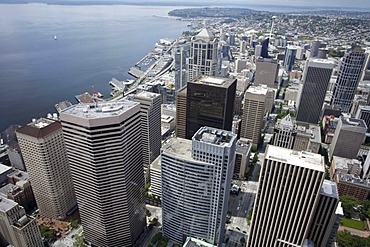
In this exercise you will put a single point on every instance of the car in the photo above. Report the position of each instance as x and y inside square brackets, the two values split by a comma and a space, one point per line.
[237, 228]
[245, 232]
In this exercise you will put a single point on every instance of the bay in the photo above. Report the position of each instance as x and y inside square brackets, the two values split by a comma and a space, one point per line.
[94, 44]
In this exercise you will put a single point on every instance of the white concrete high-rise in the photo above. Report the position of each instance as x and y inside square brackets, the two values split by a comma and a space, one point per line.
[196, 178]
[45, 157]
[150, 107]
[288, 192]
[203, 55]
[349, 75]
[17, 228]
[105, 154]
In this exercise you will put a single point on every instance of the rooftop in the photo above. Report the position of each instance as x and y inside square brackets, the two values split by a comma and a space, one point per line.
[214, 81]
[6, 204]
[352, 179]
[260, 89]
[4, 168]
[156, 164]
[353, 122]
[101, 110]
[298, 158]
[205, 34]
[243, 146]
[39, 128]
[146, 95]
[329, 188]
[193, 242]
[321, 63]
[178, 147]
[214, 136]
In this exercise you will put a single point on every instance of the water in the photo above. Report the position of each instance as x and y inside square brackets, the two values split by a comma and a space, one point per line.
[94, 44]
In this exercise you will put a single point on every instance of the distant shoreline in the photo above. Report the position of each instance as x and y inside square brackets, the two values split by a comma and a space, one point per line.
[268, 8]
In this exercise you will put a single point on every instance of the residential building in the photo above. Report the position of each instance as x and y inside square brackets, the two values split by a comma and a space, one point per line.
[253, 113]
[17, 228]
[196, 178]
[349, 74]
[282, 213]
[316, 77]
[45, 156]
[349, 130]
[104, 147]
[203, 55]
[266, 72]
[209, 102]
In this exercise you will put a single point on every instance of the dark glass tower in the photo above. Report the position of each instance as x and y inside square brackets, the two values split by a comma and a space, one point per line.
[209, 102]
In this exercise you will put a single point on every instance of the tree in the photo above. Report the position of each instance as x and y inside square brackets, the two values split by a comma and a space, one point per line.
[249, 216]
[348, 203]
[242, 240]
[346, 239]
[255, 157]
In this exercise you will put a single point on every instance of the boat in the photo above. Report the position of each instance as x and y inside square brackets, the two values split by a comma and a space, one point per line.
[55, 37]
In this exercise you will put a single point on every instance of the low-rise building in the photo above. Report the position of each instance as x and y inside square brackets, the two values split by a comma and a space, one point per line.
[349, 184]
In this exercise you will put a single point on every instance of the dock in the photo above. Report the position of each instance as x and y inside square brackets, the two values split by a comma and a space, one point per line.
[135, 72]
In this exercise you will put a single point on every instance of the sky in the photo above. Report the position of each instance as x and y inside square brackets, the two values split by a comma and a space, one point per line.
[319, 3]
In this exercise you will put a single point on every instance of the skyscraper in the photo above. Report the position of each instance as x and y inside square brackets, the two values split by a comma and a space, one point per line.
[105, 155]
[289, 59]
[17, 228]
[316, 77]
[254, 110]
[150, 107]
[181, 53]
[196, 178]
[348, 78]
[181, 112]
[266, 72]
[327, 217]
[315, 46]
[349, 130]
[284, 133]
[209, 102]
[45, 156]
[265, 48]
[203, 55]
[288, 191]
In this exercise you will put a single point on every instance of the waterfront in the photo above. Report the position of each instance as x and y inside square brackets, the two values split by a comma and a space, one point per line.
[94, 44]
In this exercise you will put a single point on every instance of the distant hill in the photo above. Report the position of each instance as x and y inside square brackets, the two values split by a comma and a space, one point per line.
[215, 12]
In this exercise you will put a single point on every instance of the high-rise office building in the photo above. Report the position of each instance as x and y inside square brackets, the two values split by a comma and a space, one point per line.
[253, 113]
[349, 75]
[209, 102]
[284, 133]
[258, 50]
[366, 73]
[180, 54]
[288, 191]
[265, 48]
[349, 130]
[315, 46]
[203, 55]
[363, 113]
[17, 228]
[181, 112]
[266, 72]
[327, 217]
[289, 59]
[316, 77]
[196, 178]
[150, 108]
[45, 156]
[104, 148]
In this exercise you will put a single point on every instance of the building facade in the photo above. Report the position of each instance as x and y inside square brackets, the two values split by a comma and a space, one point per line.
[253, 113]
[45, 156]
[349, 74]
[196, 178]
[150, 108]
[17, 228]
[266, 72]
[289, 59]
[209, 102]
[316, 77]
[288, 192]
[349, 130]
[203, 55]
[180, 54]
[105, 155]
[181, 112]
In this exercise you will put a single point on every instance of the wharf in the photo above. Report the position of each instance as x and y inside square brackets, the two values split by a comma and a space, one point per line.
[136, 72]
